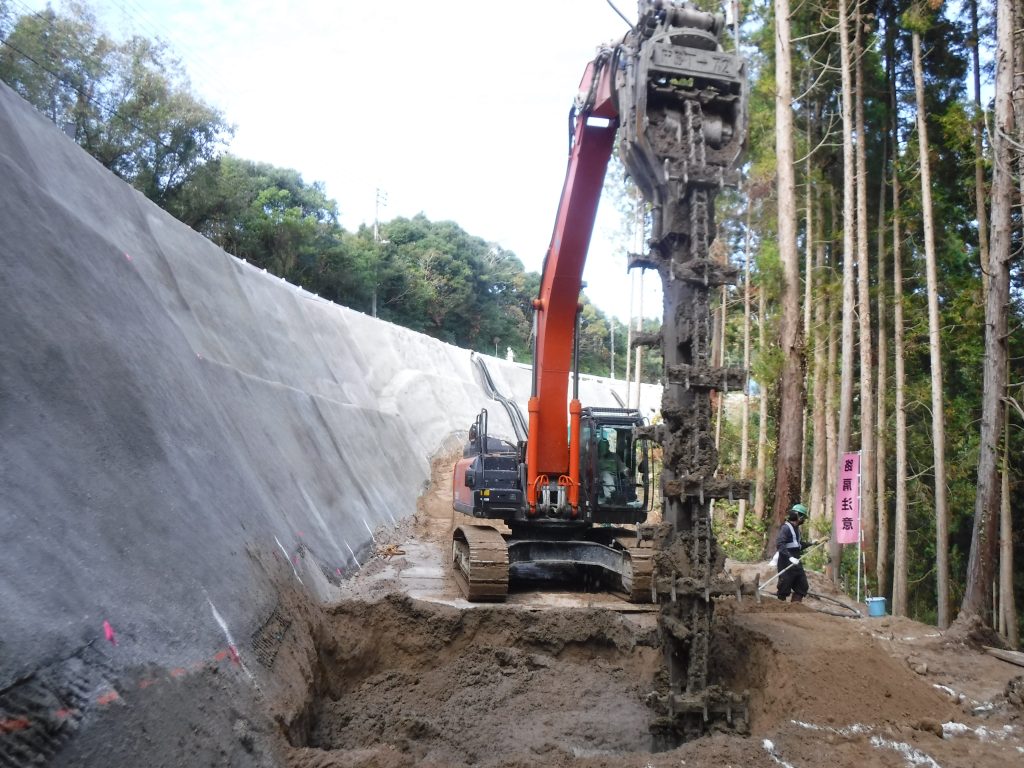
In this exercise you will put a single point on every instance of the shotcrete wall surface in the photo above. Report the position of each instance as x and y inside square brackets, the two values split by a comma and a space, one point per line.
[176, 424]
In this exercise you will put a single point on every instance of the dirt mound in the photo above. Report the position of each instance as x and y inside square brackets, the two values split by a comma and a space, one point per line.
[397, 682]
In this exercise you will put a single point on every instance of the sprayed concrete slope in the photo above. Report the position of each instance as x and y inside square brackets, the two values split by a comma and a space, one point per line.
[175, 425]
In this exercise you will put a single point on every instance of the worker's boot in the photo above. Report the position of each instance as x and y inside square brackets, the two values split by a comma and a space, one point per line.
[797, 598]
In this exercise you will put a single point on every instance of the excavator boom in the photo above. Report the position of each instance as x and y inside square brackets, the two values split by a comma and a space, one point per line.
[557, 305]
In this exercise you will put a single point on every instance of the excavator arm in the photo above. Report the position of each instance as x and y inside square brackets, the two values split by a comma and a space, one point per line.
[548, 454]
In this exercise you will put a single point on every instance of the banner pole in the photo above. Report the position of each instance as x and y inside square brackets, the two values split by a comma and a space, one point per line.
[860, 529]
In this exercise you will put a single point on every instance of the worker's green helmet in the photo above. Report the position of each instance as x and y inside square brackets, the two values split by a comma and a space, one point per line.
[800, 509]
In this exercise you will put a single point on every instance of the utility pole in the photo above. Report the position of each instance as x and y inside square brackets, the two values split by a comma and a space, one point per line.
[629, 335]
[613, 347]
[639, 350]
[381, 199]
[638, 244]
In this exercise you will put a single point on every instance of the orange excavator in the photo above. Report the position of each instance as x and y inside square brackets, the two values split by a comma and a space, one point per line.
[563, 494]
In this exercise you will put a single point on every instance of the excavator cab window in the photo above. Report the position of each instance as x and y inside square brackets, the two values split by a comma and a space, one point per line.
[614, 469]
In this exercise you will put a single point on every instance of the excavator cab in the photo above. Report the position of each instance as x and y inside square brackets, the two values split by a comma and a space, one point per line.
[614, 467]
[487, 479]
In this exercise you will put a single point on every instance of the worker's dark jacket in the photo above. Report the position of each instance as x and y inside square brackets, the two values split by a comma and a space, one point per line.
[794, 579]
[788, 543]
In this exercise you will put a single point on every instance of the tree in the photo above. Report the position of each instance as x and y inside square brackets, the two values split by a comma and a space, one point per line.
[899, 569]
[158, 132]
[128, 104]
[979, 156]
[867, 403]
[745, 417]
[977, 599]
[264, 214]
[789, 453]
[819, 504]
[934, 336]
[57, 63]
[849, 224]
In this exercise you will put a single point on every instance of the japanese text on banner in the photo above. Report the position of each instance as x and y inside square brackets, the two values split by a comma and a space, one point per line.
[847, 516]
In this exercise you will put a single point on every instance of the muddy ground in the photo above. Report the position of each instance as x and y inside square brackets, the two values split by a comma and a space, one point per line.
[403, 672]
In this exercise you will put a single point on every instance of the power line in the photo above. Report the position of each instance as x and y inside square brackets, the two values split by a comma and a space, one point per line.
[51, 22]
[200, 62]
[142, 25]
[93, 100]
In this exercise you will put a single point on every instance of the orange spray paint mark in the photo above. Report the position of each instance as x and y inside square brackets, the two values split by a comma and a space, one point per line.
[108, 697]
[14, 724]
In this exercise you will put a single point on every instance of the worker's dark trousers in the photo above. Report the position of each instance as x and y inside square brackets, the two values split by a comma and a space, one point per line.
[793, 580]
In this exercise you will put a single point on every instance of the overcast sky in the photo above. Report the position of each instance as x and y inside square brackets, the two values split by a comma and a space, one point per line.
[454, 108]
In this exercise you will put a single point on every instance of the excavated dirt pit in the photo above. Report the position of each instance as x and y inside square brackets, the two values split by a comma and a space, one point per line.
[414, 683]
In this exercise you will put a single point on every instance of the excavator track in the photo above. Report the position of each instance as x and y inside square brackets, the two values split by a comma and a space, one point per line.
[638, 574]
[480, 563]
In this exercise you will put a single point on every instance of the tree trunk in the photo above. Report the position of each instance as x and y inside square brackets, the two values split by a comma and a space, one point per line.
[984, 540]
[719, 397]
[935, 350]
[818, 503]
[882, 423]
[882, 565]
[899, 566]
[849, 223]
[745, 421]
[1006, 585]
[807, 462]
[1008, 605]
[721, 361]
[762, 415]
[789, 452]
[867, 402]
[831, 444]
[979, 157]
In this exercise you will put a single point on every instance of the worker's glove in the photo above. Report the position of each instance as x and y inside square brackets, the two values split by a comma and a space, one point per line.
[794, 561]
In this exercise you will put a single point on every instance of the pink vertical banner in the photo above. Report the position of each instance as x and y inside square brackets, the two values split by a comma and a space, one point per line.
[846, 523]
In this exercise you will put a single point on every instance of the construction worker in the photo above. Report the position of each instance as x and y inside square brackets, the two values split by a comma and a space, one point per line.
[610, 468]
[791, 571]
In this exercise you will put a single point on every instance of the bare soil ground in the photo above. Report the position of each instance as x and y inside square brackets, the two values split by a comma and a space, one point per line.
[561, 679]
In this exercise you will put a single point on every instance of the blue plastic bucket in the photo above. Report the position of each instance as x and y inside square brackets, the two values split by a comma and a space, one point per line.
[876, 606]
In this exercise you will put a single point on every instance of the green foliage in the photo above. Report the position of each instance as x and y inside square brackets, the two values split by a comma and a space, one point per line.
[917, 18]
[746, 545]
[128, 104]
